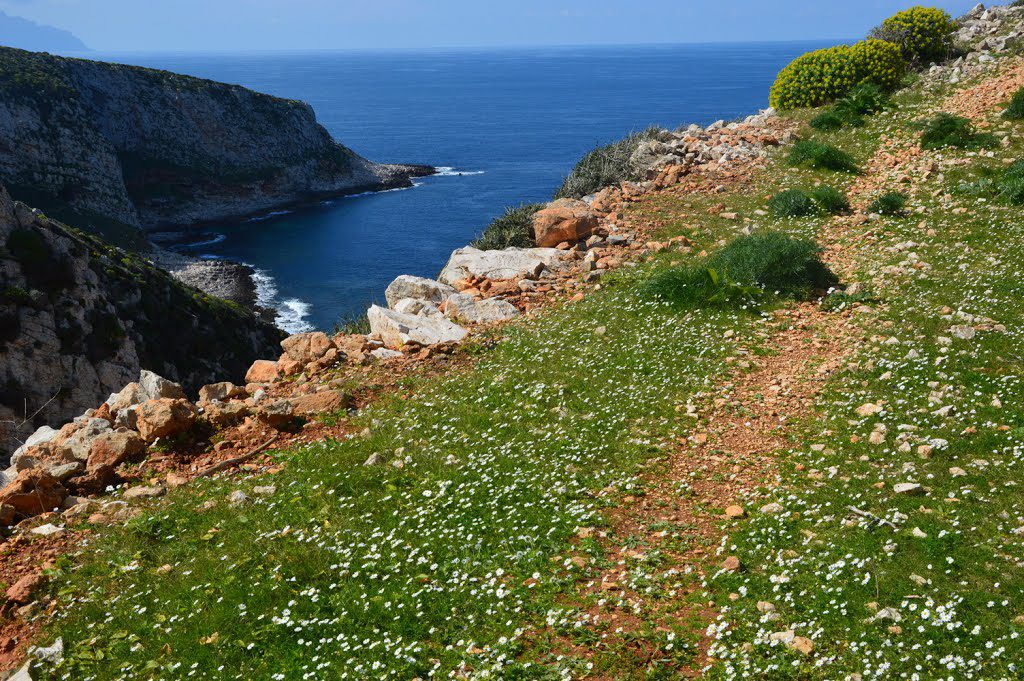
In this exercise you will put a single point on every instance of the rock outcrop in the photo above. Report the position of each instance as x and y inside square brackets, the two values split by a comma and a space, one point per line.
[80, 318]
[113, 148]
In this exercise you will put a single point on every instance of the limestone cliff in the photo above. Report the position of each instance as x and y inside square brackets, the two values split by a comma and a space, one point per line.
[80, 318]
[114, 148]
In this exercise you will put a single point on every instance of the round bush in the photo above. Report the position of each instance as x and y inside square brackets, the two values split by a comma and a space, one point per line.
[792, 203]
[823, 76]
[922, 33]
[878, 62]
[830, 200]
[814, 79]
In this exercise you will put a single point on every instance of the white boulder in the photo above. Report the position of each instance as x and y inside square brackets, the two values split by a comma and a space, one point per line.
[417, 288]
[508, 263]
[396, 329]
[480, 311]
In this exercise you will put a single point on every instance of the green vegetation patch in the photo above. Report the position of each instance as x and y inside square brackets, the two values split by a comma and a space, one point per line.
[1015, 110]
[891, 204]
[814, 154]
[746, 271]
[514, 228]
[923, 34]
[606, 165]
[944, 130]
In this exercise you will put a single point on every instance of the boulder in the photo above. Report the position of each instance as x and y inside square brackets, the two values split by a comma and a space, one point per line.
[262, 371]
[275, 413]
[566, 220]
[80, 443]
[34, 491]
[164, 418]
[396, 329]
[508, 263]
[480, 311]
[417, 307]
[224, 414]
[220, 392]
[156, 387]
[129, 396]
[417, 288]
[42, 435]
[114, 448]
[67, 470]
[306, 347]
[321, 402]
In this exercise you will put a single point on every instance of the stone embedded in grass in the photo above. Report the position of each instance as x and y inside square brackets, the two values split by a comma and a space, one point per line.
[910, 489]
[145, 492]
[772, 508]
[732, 564]
[735, 512]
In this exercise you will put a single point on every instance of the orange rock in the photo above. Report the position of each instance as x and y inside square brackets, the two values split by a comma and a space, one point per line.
[289, 366]
[262, 371]
[321, 402]
[34, 491]
[566, 220]
[111, 449]
[164, 417]
[23, 590]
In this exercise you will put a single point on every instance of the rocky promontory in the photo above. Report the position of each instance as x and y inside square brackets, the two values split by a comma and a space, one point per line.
[115, 149]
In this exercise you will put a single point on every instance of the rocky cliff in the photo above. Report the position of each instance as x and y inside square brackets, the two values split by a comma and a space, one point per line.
[113, 148]
[80, 318]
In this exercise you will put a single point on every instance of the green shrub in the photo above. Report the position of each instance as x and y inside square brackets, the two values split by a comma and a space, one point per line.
[866, 99]
[606, 165]
[514, 228]
[1005, 184]
[924, 34]
[840, 300]
[946, 130]
[890, 203]
[775, 262]
[355, 324]
[814, 79]
[830, 200]
[744, 272]
[878, 63]
[824, 76]
[814, 154]
[1015, 111]
[830, 120]
[792, 203]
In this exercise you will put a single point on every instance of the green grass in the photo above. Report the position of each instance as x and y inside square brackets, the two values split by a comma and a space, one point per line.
[744, 272]
[610, 164]
[792, 203]
[514, 228]
[945, 130]
[402, 572]
[1003, 183]
[850, 111]
[830, 200]
[891, 204]
[814, 154]
[1015, 110]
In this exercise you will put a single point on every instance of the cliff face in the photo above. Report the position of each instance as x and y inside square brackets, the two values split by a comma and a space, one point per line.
[118, 147]
[80, 318]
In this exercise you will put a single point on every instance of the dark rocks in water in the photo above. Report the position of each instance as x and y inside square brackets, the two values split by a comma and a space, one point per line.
[114, 148]
[80, 318]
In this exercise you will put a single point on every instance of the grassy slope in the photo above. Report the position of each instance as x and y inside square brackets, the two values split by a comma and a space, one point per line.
[435, 567]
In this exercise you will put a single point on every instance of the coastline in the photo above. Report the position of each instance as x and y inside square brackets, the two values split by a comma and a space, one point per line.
[239, 282]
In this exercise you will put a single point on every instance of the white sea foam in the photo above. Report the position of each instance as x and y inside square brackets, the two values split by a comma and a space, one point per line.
[267, 216]
[448, 171]
[291, 312]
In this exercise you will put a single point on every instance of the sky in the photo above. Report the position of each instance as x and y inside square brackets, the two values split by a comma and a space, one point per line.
[262, 25]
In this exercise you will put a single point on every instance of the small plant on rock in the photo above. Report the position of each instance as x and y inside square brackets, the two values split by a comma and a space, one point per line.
[812, 154]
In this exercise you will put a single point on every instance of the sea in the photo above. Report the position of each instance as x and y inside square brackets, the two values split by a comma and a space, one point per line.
[503, 125]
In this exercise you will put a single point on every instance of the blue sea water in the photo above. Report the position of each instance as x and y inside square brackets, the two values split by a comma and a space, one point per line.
[509, 123]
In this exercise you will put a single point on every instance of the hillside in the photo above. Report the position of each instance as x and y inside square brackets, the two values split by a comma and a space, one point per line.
[744, 402]
[116, 148]
[80, 318]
